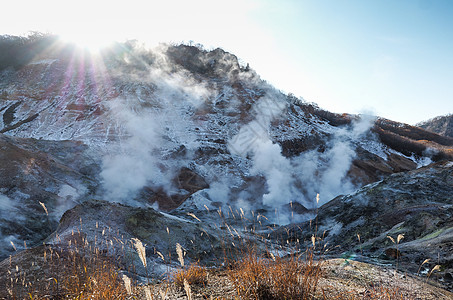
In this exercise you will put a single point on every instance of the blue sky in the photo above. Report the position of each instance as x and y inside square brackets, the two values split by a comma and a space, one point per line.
[391, 58]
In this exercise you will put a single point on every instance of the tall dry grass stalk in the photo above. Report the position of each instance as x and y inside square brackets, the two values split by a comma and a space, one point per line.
[127, 284]
[180, 254]
[148, 293]
[194, 216]
[44, 207]
[163, 294]
[424, 262]
[187, 289]
[396, 243]
[435, 268]
[140, 250]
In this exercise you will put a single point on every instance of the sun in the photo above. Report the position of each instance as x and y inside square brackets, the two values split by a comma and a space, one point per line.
[93, 42]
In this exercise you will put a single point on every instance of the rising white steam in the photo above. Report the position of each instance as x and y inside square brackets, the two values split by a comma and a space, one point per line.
[253, 139]
[269, 161]
[150, 126]
[326, 172]
[299, 178]
[9, 211]
[134, 165]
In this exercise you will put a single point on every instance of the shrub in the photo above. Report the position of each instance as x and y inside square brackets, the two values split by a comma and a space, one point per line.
[256, 277]
[194, 275]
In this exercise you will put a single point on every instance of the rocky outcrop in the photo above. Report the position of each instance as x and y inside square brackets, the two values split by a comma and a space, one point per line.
[442, 125]
[160, 232]
[185, 183]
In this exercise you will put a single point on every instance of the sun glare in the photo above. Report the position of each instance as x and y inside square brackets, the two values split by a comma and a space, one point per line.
[90, 42]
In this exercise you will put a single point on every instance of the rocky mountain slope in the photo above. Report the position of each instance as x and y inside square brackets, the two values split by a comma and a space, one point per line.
[190, 132]
[416, 204]
[442, 125]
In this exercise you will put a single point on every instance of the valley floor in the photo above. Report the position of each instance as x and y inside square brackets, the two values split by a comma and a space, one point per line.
[340, 279]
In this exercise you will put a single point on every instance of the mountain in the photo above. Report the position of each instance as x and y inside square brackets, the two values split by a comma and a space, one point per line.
[135, 138]
[442, 125]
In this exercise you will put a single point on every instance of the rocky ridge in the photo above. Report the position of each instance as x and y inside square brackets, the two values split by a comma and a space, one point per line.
[442, 125]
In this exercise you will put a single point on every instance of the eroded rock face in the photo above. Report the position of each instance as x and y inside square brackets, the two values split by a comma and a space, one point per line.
[369, 167]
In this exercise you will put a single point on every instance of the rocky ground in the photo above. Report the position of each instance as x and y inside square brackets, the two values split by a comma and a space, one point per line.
[340, 279]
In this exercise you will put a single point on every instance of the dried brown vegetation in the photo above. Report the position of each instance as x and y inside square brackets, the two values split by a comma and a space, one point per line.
[256, 277]
[73, 274]
[193, 275]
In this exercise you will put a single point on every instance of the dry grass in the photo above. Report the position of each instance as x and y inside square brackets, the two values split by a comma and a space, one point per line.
[76, 272]
[92, 279]
[75, 275]
[193, 275]
[256, 277]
